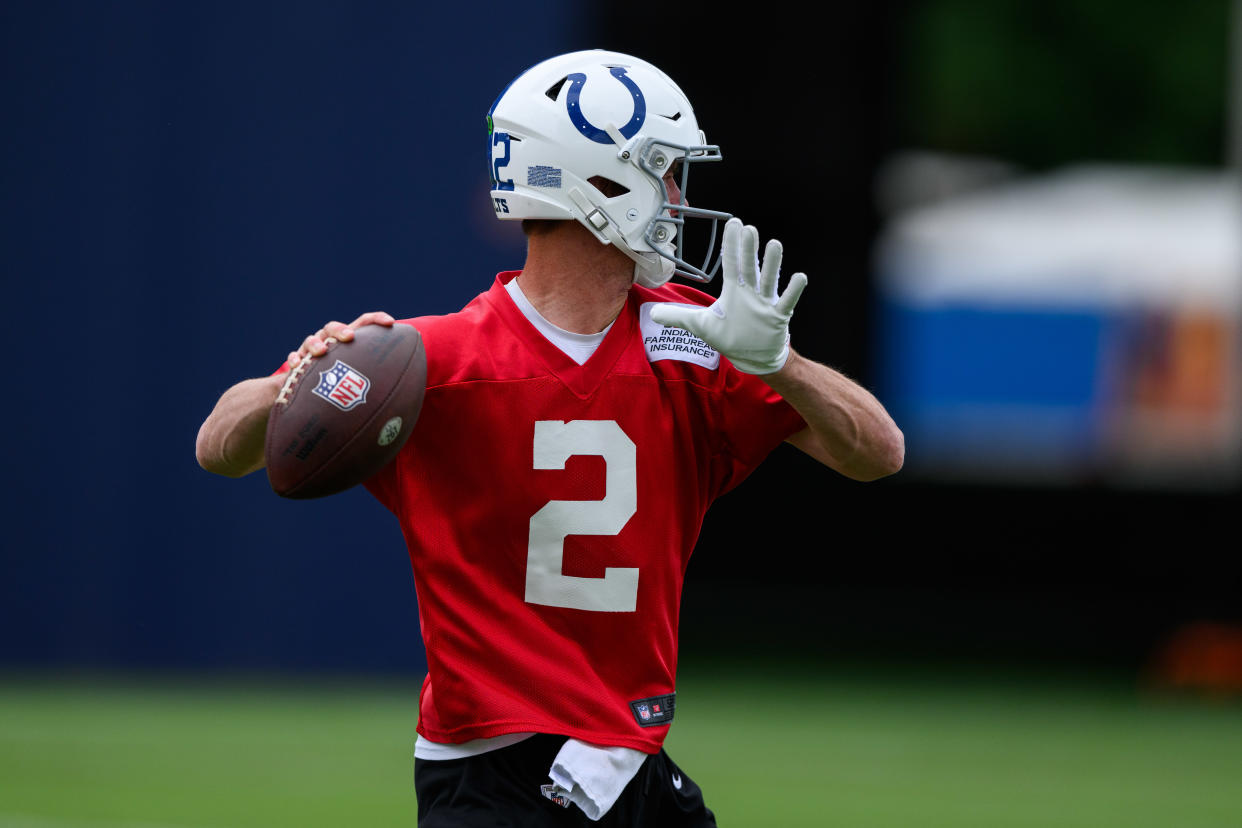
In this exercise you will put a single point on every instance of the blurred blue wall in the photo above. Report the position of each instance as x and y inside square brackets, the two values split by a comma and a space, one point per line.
[189, 189]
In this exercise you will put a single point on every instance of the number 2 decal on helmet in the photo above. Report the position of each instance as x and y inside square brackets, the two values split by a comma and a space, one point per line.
[578, 80]
[498, 183]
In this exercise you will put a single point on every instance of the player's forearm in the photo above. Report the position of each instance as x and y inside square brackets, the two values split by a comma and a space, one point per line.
[848, 429]
[230, 440]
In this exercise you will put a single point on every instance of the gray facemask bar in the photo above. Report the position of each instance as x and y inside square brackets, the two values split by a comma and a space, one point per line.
[657, 234]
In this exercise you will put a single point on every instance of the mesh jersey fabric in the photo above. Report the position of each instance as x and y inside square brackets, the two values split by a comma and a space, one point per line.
[660, 440]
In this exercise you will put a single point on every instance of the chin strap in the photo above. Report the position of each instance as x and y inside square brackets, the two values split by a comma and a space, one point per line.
[650, 269]
[594, 217]
[644, 276]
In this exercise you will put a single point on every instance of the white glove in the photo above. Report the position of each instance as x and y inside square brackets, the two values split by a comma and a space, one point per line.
[749, 323]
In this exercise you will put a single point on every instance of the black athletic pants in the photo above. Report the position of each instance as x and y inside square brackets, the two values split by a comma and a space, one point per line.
[502, 789]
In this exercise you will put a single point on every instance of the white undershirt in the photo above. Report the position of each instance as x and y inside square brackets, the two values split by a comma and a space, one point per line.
[427, 749]
[590, 776]
[576, 346]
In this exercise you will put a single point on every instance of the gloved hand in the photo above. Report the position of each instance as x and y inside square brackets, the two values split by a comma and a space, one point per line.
[749, 323]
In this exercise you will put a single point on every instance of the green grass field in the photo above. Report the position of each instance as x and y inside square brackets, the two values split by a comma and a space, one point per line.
[865, 750]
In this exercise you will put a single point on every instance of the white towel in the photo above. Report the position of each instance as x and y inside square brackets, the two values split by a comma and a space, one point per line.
[592, 777]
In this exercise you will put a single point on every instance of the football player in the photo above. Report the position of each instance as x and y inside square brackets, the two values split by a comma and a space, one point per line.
[580, 417]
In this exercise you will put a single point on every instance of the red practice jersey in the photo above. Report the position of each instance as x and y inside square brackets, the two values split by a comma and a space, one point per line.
[550, 510]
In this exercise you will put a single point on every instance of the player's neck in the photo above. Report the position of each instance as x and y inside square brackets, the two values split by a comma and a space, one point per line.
[576, 283]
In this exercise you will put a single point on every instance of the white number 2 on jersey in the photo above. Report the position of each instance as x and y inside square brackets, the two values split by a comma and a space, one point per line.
[556, 442]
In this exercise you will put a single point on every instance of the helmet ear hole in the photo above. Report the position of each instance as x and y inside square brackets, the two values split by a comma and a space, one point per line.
[610, 188]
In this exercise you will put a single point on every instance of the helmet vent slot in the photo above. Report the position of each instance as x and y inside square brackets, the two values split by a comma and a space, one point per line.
[676, 116]
[554, 91]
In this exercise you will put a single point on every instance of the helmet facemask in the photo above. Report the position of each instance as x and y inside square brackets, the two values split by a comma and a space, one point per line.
[666, 233]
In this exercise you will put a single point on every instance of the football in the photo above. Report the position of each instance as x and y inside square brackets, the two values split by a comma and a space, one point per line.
[340, 417]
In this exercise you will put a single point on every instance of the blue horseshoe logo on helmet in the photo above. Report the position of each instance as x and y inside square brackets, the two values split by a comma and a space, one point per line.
[577, 80]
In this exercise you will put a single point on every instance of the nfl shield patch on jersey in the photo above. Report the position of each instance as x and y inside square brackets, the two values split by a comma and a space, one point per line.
[656, 710]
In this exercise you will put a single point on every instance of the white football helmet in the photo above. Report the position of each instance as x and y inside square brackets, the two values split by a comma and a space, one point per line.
[597, 113]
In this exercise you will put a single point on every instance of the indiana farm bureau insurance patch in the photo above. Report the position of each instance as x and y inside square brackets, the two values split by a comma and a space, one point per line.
[663, 342]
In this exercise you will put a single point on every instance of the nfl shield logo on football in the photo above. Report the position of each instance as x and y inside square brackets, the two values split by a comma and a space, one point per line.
[343, 386]
[644, 712]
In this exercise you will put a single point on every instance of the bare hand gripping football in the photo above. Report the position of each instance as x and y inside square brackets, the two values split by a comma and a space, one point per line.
[749, 323]
[345, 413]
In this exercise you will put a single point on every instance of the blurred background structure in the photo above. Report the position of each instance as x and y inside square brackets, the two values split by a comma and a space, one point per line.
[1022, 224]
[1023, 231]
